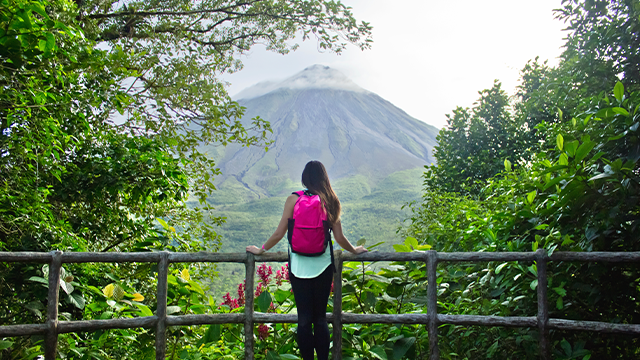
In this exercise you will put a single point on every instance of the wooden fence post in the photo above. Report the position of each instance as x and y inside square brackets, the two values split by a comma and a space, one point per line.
[432, 304]
[161, 308]
[53, 298]
[543, 306]
[337, 306]
[250, 266]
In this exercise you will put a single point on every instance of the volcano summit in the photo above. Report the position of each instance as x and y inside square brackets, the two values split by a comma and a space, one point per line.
[320, 114]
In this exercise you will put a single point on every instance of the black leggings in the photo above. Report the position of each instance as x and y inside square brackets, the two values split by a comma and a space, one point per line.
[311, 297]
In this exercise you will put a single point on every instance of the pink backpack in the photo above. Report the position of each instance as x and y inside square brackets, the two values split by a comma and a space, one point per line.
[308, 231]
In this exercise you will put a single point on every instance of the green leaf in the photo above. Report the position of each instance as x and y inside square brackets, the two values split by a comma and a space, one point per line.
[554, 181]
[507, 165]
[39, 279]
[563, 160]
[173, 309]
[571, 147]
[411, 242]
[361, 242]
[621, 111]
[534, 284]
[618, 91]
[394, 290]
[531, 196]
[163, 223]
[289, 357]
[402, 346]
[272, 355]
[499, 268]
[212, 334]
[600, 176]
[106, 315]
[281, 295]
[560, 116]
[565, 344]
[67, 287]
[51, 42]
[370, 299]
[264, 301]
[5, 344]
[77, 300]
[144, 310]
[584, 150]
[378, 352]
[401, 248]
[375, 245]
[559, 142]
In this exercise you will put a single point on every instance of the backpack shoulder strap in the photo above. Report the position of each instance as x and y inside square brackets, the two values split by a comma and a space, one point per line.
[299, 193]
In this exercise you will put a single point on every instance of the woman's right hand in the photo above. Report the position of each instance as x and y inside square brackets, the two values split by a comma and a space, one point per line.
[359, 250]
[254, 250]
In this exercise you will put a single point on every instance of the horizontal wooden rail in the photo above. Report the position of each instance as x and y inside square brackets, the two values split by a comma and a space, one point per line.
[432, 319]
[154, 257]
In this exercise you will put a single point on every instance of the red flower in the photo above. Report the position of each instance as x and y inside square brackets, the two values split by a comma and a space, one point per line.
[264, 272]
[259, 290]
[263, 331]
[282, 274]
[241, 293]
[231, 303]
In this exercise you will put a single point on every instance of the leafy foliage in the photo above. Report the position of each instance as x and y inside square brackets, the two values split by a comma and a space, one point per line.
[102, 109]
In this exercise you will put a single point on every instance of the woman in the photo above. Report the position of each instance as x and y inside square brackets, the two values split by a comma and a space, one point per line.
[311, 276]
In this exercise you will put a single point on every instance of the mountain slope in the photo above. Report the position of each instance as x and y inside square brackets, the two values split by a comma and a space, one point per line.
[318, 114]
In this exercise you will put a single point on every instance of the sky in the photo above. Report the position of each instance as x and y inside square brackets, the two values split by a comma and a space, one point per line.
[428, 56]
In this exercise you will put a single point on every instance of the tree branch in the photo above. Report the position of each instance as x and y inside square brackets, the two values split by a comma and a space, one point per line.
[225, 10]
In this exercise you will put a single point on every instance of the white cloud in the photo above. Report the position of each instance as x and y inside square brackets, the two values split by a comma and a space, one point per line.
[428, 56]
[315, 76]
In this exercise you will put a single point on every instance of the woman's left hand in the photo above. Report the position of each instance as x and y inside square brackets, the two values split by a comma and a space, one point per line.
[254, 250]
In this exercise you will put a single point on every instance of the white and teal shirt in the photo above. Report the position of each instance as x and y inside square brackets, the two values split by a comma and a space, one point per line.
[308, 267]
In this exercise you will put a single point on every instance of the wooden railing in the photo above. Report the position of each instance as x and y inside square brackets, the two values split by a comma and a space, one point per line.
[432, 319]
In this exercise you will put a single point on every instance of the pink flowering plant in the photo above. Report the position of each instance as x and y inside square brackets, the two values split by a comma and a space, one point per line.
[272, 294]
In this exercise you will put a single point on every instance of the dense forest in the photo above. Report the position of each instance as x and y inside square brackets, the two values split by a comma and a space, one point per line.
[103, 105]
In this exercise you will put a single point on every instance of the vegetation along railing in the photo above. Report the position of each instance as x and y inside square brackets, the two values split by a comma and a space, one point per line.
[432, 319]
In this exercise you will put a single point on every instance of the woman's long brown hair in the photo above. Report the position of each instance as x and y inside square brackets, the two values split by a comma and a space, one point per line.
[315, 178]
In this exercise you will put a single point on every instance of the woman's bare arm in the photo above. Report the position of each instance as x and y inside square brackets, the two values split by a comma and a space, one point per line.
[344, 242]
[281, 230]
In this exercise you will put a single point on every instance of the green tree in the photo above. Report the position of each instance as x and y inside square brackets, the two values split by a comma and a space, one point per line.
[475, 144]
[102, 108]
[603, 42]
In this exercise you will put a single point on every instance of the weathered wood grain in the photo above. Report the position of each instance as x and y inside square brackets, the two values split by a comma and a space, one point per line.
[25, 256]
[93, 325]
[205, 256]
[23, 330]
[602, 256]
[480, 320]
[543, 306]
[250, 267]
[349, 318]
[161, 308]
[111, 257]
[53, 298]
[336, 352]
[432, 304]
[486, 256]
[204, 319]
[594, 326]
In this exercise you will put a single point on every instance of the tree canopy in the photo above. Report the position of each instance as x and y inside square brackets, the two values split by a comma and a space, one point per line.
[567, 177]
[103, 107]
